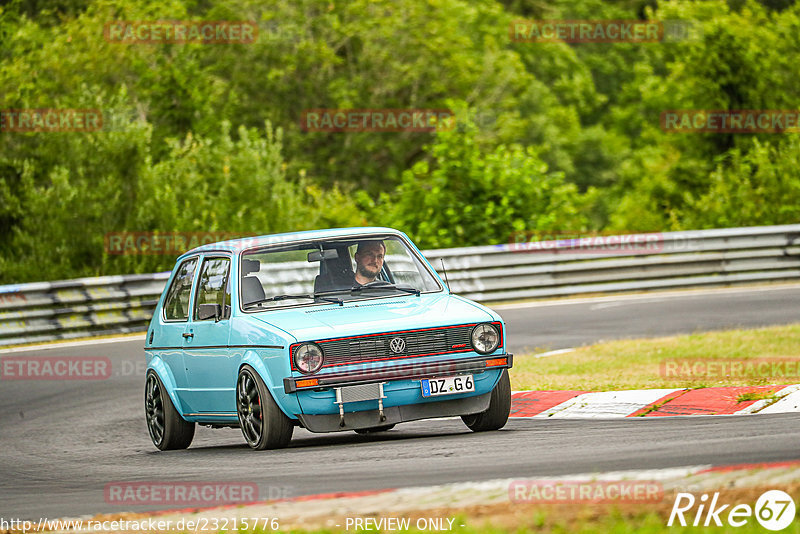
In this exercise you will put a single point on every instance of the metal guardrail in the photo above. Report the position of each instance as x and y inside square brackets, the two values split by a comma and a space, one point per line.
[45, 311]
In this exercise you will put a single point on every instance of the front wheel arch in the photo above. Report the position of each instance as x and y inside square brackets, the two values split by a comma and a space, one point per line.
[288, 404]
[263, 423]
[496, 416]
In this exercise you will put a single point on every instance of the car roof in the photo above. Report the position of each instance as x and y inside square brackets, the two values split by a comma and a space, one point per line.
[236, 245]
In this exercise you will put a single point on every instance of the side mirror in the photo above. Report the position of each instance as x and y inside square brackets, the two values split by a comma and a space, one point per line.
[319, 255]
[209, 311]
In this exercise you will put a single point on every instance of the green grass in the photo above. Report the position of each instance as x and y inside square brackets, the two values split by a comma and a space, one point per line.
[584, 521]
[755, 396]
[637, 364]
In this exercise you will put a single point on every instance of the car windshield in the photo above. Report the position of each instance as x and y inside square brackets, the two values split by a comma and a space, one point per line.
[332, 271]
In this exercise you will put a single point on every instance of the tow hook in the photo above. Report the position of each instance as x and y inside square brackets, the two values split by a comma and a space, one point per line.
[357, 394]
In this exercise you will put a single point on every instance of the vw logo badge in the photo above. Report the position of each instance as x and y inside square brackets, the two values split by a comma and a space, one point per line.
[397, 345]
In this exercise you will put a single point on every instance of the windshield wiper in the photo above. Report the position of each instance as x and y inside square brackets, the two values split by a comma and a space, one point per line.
[380, 284]
[335, 300]
[315, 296]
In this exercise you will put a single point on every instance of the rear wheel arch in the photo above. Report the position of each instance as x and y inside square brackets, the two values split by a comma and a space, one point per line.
[164, 374]
[167, 428]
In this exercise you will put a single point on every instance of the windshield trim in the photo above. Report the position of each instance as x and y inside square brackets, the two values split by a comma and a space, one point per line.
[412, 249]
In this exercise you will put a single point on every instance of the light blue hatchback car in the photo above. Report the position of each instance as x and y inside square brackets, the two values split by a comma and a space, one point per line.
[330, 330]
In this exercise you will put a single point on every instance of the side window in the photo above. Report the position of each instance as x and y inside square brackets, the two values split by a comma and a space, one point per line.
[214, 286]
[176, 305]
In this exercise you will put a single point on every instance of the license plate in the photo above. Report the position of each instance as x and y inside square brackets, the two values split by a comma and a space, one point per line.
[432, 387]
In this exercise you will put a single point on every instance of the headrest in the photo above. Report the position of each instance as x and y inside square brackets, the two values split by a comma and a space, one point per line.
[250, 266]
[252, 290]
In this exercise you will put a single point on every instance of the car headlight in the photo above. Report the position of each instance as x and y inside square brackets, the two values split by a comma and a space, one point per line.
[308, 358]
[485, 338]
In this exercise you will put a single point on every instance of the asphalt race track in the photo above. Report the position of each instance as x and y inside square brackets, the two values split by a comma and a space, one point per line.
[63, 441]
[571, 323]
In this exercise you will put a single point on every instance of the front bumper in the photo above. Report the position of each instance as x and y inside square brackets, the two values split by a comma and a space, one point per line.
[396, 414]
[399, 372]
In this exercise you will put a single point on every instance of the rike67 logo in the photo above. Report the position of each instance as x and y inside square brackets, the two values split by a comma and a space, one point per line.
[774, 510]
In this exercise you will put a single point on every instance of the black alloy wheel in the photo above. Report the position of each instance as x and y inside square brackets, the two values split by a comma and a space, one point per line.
[263, 424]
[167, 428]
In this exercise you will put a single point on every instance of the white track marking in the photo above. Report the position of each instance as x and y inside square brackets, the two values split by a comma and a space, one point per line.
[84, 343]
[553, 353]
[756, 407]
[789, 402]
[654, 296]
[606, 404]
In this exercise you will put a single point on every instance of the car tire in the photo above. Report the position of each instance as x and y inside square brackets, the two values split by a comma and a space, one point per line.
[168, 430]
[496, 416]
[374, 429]
[263, 424]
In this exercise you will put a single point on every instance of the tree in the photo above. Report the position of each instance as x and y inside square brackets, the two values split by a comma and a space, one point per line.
[460, 195]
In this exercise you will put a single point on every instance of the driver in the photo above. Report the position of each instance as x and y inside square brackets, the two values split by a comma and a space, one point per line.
[369, 261]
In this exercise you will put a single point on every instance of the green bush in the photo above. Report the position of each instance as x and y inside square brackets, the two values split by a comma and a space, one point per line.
[463, 196]
[567, 136]
[753, 187]
[206, 184]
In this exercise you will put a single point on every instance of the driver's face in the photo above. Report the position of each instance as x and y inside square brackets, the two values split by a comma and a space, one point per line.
[369, 260]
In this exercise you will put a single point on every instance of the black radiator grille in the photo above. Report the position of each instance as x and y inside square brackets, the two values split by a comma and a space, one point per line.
[376, 347]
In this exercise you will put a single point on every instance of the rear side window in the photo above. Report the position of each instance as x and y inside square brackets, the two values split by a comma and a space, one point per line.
[176, 305]
[214, 286]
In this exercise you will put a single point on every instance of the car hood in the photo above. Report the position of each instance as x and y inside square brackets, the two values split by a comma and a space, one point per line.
[310, 323]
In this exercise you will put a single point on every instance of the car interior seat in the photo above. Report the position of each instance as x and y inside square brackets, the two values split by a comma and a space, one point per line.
[335, 273]
[252, 290]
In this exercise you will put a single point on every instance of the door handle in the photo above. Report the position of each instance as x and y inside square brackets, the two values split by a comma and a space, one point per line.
[187, 335]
